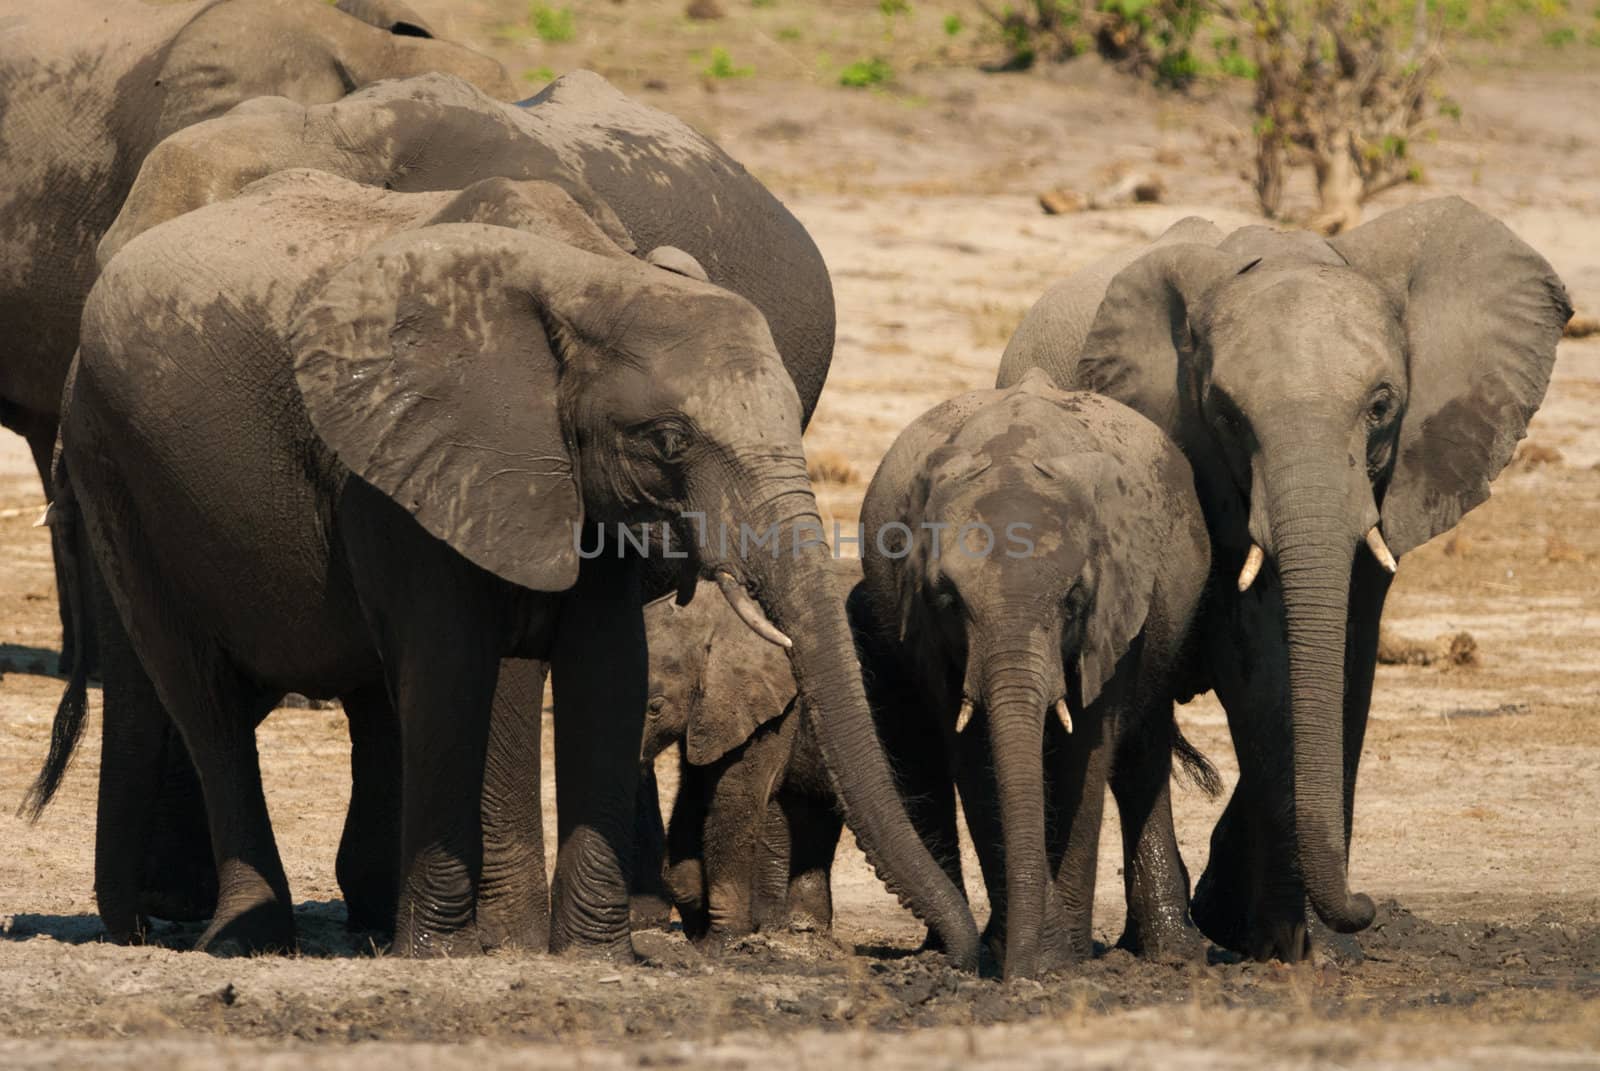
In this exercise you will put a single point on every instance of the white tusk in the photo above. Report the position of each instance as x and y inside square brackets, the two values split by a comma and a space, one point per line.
[1252, 566]
[1380, 549]
[1064, 714]
[751, 614]
[48, 517]
[964, 716]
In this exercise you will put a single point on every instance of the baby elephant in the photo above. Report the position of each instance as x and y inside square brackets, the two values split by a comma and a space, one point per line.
[751, 841]
[1032, 561]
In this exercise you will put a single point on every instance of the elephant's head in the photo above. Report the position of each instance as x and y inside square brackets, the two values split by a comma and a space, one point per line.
[1040, 525]
[713, 682]
[1335, 398]
[511, 388]
[306, 50]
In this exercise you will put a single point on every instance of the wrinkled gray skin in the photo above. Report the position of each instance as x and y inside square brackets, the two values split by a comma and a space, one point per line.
[1319, 388]
[754, 827]
[665, 182]
[87, 89]
[1091, 603]
[410, 408]
[438, 132]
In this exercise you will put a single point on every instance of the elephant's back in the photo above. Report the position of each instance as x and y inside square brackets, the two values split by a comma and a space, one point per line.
[67, 124]
[671, 186]
[1052, 335]
[186, 401]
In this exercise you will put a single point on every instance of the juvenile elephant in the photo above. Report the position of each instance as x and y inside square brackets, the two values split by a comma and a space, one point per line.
[1032, 561]
[409, 423]
[88, 89]
[1333, 397]
[671, 187]
[756, 820]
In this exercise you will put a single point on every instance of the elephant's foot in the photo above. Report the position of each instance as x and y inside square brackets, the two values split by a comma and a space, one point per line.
[648, 911]
[1246, 921]
[1168, 941]
[514, 919]
[267, 926]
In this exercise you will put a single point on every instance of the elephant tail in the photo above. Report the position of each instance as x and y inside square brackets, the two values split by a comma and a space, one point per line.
[1201, 773]
[63, 518]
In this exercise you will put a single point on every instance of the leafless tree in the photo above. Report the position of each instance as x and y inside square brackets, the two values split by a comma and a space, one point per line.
[1337, 89]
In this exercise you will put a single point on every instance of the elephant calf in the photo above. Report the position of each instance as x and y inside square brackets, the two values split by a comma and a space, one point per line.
[751, 842]
[1032, 560]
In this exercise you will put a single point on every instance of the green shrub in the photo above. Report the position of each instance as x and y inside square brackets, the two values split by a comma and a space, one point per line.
[863, 74]
[953, 25]
[552, 25]
[539, 75]
[722, 66]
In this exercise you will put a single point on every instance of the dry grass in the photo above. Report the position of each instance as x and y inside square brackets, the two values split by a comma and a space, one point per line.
[830, 466]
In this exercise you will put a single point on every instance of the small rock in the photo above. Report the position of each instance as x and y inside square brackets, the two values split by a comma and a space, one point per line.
[1062, 202]
[704, 10]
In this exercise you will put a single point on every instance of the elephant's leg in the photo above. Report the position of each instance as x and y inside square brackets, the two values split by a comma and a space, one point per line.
[1250, 897]
[1155, 881]
[216, 712]
[684, 873]
[735, 821]
[368, 864]
[923, 766]
[1078, 765]
[139, 749]
[649, 904]
[601, 677]
[180, 877]
[769, 874]
[814, 827]
[514, 896]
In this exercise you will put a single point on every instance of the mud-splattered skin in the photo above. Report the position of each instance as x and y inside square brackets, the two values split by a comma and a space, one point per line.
[385, 429]
[751, 842]
[667, 184]
[1083, 596]
[1331, 396]
[88, 87]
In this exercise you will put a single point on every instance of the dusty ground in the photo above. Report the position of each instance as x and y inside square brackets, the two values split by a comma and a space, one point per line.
[1475, 821]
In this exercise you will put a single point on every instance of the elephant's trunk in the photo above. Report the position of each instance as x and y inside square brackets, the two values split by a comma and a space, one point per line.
[1315, 533]
[796, 588]
[1016, 695]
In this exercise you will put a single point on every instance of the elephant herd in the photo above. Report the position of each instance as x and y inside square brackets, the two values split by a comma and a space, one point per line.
[349, 378]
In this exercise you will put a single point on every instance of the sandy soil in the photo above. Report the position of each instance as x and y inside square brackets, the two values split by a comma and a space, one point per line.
[1475, 818]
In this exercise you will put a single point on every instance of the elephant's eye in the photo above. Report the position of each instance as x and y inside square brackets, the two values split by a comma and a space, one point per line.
[657, 703]
[669, 440]
[1380, 409]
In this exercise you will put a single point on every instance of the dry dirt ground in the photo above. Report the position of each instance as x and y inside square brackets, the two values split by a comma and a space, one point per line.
[1476, 814]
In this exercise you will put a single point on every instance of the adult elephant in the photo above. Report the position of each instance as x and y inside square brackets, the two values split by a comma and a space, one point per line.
[89, 87]
[415, 403]
[1341, 402]
[672, 188]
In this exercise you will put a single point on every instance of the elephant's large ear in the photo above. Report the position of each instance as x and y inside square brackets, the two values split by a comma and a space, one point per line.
[1483, 313]
[1140, 336]
[425, 365]
[392, 15]
[746, 684]
[1120, 570]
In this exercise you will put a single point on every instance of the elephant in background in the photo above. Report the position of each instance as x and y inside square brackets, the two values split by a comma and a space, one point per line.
[1341, 402]
[666, 183]
[411, 421]
[89, 87]
[1032, 564]
[756, 820]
